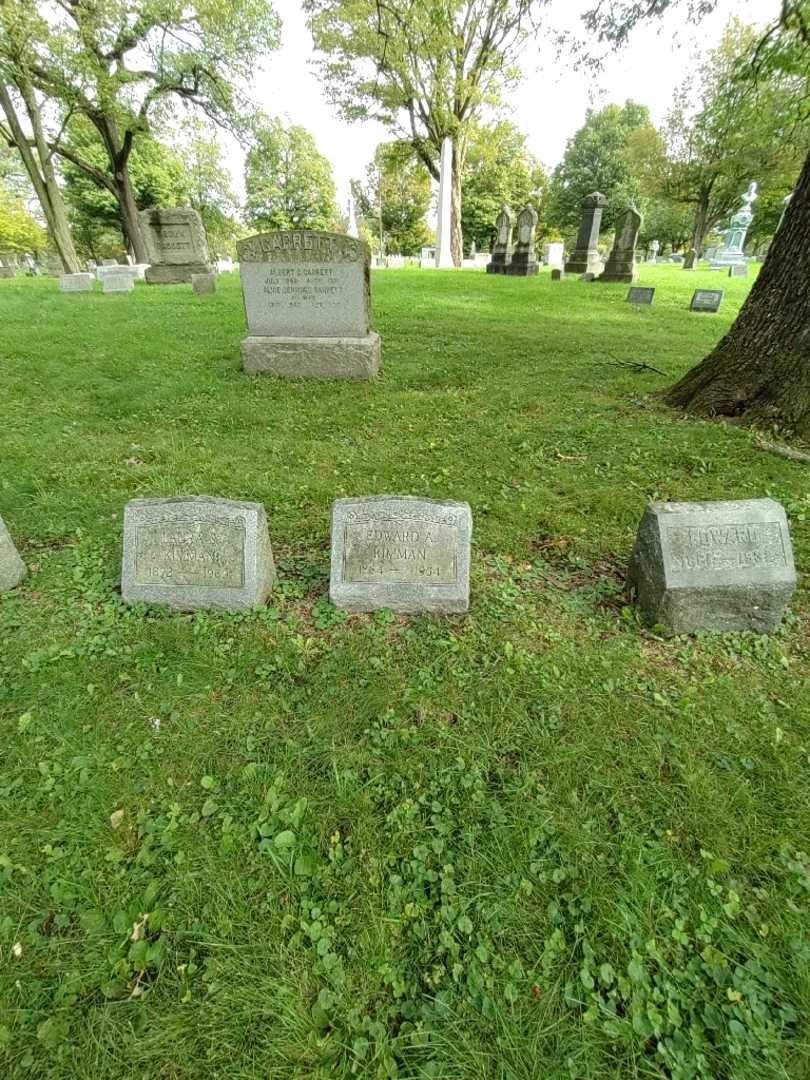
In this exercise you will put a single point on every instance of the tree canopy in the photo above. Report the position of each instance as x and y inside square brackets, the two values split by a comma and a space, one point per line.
[395, 199]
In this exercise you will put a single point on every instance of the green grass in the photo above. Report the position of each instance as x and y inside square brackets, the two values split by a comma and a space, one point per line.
[537, 841]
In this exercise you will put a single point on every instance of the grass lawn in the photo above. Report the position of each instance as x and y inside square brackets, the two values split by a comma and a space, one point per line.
[533, 842]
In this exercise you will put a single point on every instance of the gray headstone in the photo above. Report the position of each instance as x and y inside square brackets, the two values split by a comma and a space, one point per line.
[589, 277]
[115, 282]
[196, 552]
[76, 282]
[308, 305]
[176, 243]
[502, 248]
[706, 300]
[585, 257]
[7, 272]
[109, 262]
[714, 565]
[557, 274]
[524, 258]
[691, 260]
[621, 265]
[204, 284]
[12, 568]
[640, 294]
[400, 552]
[738, 270]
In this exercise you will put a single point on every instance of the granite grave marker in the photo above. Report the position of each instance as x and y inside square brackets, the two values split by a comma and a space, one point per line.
[524, 257]
[502, 248]
[204, 284]
[585, 258]
[640, 294]
[621, 264]
[706, 300]
[76, 282]
[12, 568]
[176, 243]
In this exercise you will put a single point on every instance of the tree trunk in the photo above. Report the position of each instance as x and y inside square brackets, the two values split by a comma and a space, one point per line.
[456, 237]
[760, 371]
[39, 167]
[118, 152]
[701, 223]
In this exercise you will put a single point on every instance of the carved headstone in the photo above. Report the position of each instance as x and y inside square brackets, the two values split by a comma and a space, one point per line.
[731, 250]
[714, 565]
[196, 552]
[706, 300]
[76, 282]
[400, 552]
[585, 257]
[524, 257]
[502, 248]
[114, 282]
[621, 264]
[308, 305]
[176, 243]
[12, 568]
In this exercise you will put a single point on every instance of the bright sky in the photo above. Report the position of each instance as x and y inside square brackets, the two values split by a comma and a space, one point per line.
[548, 106]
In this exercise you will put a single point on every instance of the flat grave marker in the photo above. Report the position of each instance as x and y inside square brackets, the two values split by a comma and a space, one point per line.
[738, 270]
[714, 565]
[76, 282]
[706, 300]
[194, 552]
[400, 552]
[640, 294]
[114, 282]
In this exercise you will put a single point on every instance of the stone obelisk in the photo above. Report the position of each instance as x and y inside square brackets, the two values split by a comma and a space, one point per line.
[444, 255]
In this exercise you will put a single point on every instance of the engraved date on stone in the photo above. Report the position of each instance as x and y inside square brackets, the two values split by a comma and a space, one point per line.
[407, 551]
[195, 553]
[726, 547]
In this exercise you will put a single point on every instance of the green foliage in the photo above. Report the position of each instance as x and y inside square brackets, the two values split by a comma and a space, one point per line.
[535, 841]
[396, 195]
[617, 151]
[209, 184]
[19, 231]
[499, 169]
[288, 182]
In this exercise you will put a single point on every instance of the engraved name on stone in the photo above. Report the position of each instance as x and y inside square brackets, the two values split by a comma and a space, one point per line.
[725, 547]
[379, 549]
[202, 553]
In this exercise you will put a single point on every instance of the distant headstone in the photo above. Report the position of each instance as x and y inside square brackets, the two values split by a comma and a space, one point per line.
[585, 257]
[109, 262]
[176, 244]
[76, 282]
[691, 260]
[524, 257]
[653, 249]
[502, 248]
[196, 552]
[738, 270]
[225, 266]
[557, 274]
[308, 305]
[400, 552]
[587, 277]
[621, 265]
[714, 565]
[204, 284]
[91, 265]
[12, 568]
[732, 249]
[117, 283]
[7, 272]
[640, 294]
[706, 300]
[554, 254]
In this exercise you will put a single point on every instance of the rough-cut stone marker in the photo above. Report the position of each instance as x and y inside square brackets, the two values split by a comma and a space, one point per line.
[706, 300]
[112, 282]
[308, 305]
[12, 568]
[400, 552]
[640, 294]
[76, 282]
[196, 552]
[204, 284]
[621, 264]
[176, 243]
[714, 565]
[502, 248]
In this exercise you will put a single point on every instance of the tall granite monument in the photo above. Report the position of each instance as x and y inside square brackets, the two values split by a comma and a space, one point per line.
[524, 257]
[177, 245]
[308, 305]
[621, 264]
[502, 248]
[444, 230]
[585, 257]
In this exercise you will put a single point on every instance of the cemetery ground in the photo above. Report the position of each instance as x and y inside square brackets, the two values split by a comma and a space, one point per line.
[535, 841]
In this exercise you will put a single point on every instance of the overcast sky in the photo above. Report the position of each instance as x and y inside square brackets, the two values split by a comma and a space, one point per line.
[548, 106]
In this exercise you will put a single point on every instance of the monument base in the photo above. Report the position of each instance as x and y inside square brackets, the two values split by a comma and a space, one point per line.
[499, 264]
[312, 358]
[518, 268]
[584, 262]
[177, 274]
[621, 272]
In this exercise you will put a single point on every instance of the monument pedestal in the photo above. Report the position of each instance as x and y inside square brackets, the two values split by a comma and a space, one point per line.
[174, 273]
[584, 262]
[499, 263]
[312, 357]
[522, 267]
[620, 270]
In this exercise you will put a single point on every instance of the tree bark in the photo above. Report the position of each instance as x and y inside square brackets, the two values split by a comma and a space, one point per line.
[456, 237]
[701, 223]
[118, 151]
[760, 371]
[38, 164]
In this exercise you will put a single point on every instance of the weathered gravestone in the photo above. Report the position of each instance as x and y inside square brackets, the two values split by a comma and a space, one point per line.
[308, 305]
[621, 264]
[114, 282]
[554, 254]
[524, 256]
[7, 271]
[557, 274]
[400, 552]
[76, 282]
[12, 568]
[738, 270]
[502, 248]
[640, 294]
[706, 300]
[196, 552]
[585, 258]
[176, 243]
[691, 260]
[204, 284]
[713, 565]
[588, 278]
[109, 262]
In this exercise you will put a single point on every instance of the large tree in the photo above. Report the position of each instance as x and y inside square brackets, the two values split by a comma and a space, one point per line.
[395, 199]
[288, 182]
[209, 184]
[423, 69]
[118, 62]
[760, 371]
